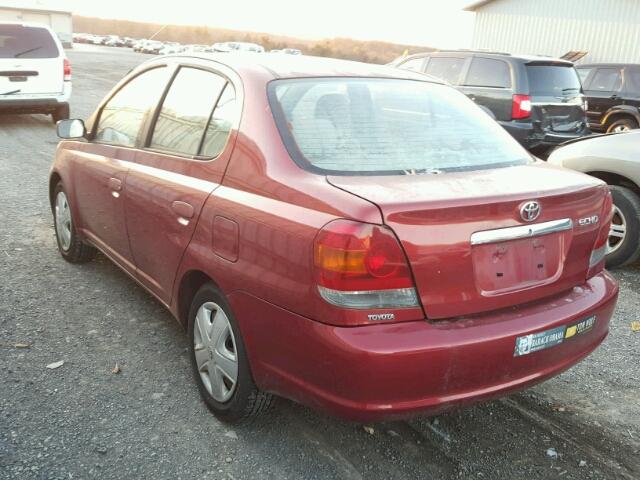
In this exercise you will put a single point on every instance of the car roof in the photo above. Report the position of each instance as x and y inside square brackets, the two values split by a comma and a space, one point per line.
[300, 66]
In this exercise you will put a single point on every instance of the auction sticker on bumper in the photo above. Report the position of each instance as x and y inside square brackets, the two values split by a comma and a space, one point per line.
[550, 338]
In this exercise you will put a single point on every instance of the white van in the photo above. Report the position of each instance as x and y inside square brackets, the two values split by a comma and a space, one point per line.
[35, 74]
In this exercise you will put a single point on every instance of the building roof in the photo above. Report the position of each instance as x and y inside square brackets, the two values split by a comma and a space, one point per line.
[476, 5]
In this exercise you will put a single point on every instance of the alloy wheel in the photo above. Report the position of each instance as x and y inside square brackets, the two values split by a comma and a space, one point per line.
[621, 128]
[618, 230]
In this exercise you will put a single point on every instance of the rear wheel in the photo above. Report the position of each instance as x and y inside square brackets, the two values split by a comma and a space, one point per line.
[624, 236]
[219, 360]
[622, 125]
[61, 113]
[71, 247]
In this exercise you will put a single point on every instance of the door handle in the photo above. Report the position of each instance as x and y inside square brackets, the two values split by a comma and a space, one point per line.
[184, 211]
[116, 186]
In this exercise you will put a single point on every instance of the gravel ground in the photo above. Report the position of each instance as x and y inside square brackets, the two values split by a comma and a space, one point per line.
[83, 421]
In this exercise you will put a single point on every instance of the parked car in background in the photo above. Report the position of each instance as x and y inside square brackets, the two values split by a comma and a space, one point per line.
[196, 48]
[35, 74]
[152, 46]
[616, 160]
[113, 41]
[227, 47]
[355, 237]
[538, 100]
[171, 49]
[292, 51]
[613, 93]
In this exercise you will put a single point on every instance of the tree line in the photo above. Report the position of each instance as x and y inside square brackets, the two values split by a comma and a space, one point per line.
[346, 48]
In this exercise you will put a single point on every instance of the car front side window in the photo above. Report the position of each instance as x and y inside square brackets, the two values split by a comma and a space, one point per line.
[122, 117]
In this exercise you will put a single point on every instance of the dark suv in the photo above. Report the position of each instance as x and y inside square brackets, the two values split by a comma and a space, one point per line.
[613, 93]
[538, 100]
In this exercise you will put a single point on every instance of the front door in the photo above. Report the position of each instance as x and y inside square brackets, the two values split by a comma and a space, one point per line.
[182, 163]
[101, 166]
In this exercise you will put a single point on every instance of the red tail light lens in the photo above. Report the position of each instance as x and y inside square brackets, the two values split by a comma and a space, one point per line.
[521, 107]
[67, 70]
[601, 246]
[360, 265]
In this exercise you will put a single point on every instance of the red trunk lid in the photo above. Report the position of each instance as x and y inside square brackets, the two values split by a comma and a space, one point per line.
[458, 270]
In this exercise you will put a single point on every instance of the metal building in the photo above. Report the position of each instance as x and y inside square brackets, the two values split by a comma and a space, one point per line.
[23, 11]
[608, 30]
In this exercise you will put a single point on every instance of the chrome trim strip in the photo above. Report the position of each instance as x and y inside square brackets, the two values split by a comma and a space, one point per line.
[521, 231]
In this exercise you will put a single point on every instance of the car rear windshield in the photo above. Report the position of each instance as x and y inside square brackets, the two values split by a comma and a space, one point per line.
[18, 41]
[553, 80]
[370, 126]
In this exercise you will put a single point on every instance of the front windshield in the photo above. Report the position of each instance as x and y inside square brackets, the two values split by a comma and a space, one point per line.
[386, 126]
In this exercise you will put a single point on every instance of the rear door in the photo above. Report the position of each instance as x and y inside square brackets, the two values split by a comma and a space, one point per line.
[603, 91]
[31, 61]
[556, 97]
[488, 83]
[182, 163]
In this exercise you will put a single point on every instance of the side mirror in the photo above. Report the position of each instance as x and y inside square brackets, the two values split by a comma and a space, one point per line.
[68, 129]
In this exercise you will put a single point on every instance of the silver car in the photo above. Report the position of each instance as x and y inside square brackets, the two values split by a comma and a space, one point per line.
[615, 159]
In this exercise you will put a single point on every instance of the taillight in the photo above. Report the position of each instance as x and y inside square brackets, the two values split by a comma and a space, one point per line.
[601, 246]
[362, 266]
[521, 107]
[67, 70]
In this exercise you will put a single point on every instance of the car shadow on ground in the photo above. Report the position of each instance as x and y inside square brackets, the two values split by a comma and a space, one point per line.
[506, 438]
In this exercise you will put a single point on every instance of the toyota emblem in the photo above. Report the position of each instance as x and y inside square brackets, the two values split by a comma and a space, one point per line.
[530, 211]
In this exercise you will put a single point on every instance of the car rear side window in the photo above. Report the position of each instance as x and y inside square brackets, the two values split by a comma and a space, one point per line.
[606, 80]
[632, 80]
[553, 80]
[371, 126]
[185, 111]
[446, 68]
[220, 124]
[414, 64]
[487, 72]
[122, 117]
[19, 41]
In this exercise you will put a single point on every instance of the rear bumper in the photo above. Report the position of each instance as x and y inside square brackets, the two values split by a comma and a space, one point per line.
[529, 136]
[391, 371]
[35, 103]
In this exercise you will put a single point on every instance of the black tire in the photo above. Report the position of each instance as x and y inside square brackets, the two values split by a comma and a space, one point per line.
[61, 113]
[77, 251]
[624, 122]
[628, 203]
[246, 402]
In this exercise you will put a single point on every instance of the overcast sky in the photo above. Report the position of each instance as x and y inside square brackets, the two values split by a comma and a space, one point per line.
[428, 22]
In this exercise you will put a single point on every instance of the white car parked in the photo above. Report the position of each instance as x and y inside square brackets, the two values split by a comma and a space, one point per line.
[35, 74]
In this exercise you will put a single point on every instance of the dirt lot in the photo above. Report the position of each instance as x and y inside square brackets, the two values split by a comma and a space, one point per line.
[83, 421]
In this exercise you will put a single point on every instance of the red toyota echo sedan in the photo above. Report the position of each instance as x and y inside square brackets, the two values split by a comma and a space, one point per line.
[361, 239]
